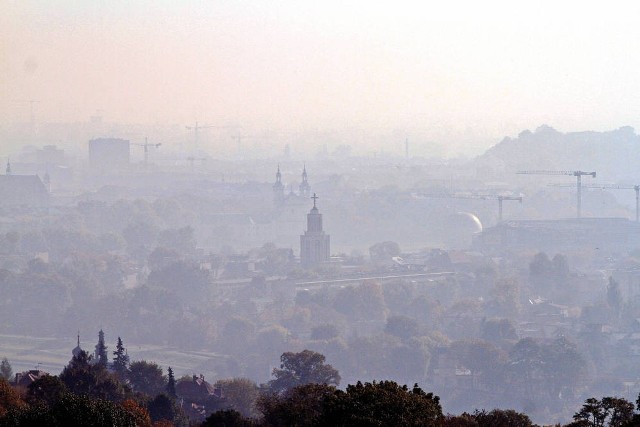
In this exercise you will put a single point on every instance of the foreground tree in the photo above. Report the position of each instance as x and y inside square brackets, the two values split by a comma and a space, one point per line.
[502, 418]
[302, 368]
[72, 410]
[383, 403]
[304, 405]
[227, 418]
[9, 398]
[47, 390]
[610, 411]
[147, 377]
[82, 377]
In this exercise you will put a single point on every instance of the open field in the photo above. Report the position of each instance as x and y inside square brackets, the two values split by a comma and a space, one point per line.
[52, 354]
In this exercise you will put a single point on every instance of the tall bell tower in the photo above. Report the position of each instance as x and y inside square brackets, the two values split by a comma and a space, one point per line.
[314, 243]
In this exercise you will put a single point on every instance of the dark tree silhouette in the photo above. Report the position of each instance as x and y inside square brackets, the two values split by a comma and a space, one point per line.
[120, 360]
[171, 383]
[302, 368]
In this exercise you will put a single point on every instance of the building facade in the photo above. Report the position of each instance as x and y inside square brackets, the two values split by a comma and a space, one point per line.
[314, 243]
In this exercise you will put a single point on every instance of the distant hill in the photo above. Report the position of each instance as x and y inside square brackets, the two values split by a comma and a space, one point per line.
[615, 155]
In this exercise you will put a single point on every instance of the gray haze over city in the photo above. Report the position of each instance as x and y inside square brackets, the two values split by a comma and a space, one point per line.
[436, 194]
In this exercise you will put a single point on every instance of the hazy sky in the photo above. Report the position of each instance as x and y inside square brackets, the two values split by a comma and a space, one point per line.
[480, 68]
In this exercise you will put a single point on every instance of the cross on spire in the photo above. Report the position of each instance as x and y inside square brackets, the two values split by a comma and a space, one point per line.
[314, 197]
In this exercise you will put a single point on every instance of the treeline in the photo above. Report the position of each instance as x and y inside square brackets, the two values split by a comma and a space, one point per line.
[303, 392]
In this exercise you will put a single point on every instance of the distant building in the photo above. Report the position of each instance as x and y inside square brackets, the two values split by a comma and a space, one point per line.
[24, 379]
[314, 243]
[107, 153]
[50, 155]
[602, 234]
[22, 191]
[305, 188]
[278, 189]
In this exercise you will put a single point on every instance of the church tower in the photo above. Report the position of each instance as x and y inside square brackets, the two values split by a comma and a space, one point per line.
[305, 188]
[314, 243]
[278, 189]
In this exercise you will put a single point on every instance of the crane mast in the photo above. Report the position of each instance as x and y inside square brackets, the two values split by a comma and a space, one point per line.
[499, 198]
[146, 146]
[577, 174]
[636, 188]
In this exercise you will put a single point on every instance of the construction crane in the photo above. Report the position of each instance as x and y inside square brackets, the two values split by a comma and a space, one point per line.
[577, 174]
[636, 188]
[196, 130]
[499, 198]
[146, 146]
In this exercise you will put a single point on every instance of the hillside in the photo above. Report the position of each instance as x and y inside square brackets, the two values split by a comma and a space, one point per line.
[613, 154]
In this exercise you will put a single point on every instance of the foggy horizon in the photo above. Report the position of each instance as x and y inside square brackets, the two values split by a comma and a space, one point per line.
[461, 76]
[367, 195]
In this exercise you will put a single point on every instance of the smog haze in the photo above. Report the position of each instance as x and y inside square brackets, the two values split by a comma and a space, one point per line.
[462, 74]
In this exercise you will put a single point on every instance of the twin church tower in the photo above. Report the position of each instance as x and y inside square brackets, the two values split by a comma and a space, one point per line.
[314, 243]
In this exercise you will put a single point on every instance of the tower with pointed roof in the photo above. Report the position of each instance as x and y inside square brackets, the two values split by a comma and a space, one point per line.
[76, 351]
[8, 170]
[278, 189]
[305, 188]
[314, 243]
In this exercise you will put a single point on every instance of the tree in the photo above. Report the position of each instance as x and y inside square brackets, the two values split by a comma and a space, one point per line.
[47, 390]
[5, 369]
[383, 403]
[302, 368]
[302, 405]
[384, 251]
[171, 383]
[506, 297]
[563, 365]
[402, 327]
[526, 360]
[610, 411]
[147, 377]
[497, 330]
[241, 395]
[140, 414]
[120, 360]
[162, 408]
[9, 398]
[101, 350]
[502, 418]
[227, 418]
[78, 410]
[82, 377]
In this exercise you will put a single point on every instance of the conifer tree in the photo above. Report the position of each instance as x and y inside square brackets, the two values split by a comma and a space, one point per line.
[101, 350]
[5, 370]
[171, 384]
[121, 359]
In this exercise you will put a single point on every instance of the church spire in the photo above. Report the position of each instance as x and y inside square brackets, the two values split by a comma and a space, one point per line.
[278, 188]
[305, 188]
[8, 167]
